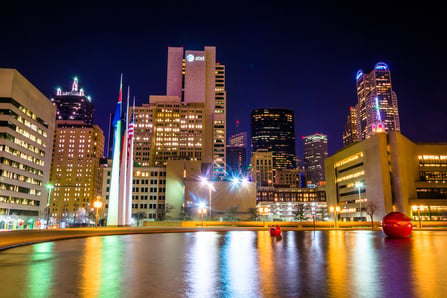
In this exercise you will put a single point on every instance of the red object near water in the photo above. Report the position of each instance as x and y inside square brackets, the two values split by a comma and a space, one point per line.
[275, 231]
[397, 224]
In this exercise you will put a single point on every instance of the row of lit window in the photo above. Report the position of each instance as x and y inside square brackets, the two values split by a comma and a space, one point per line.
[19, 201]
[433, 176]
[22, 155]
[16, 188]
[21, 166]
[15, 176]
[432, 160]
[348, 159]
[32, 126]
[32, 137]
[431, 193]
[24, 144]
[351, 176]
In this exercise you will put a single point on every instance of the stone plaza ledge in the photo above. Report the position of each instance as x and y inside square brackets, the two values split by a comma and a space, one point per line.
[14, 238]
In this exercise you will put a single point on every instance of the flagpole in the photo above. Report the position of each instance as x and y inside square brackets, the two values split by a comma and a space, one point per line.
[130, 134]
[122, 205]
[112, 214]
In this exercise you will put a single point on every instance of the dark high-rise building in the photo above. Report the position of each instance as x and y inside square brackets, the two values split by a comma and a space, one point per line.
[315, 152]
[237, 153]
[74, 104]
[350, 133]
[274, 130]
[376, 110]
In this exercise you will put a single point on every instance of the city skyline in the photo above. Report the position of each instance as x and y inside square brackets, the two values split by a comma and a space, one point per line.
[302, 58]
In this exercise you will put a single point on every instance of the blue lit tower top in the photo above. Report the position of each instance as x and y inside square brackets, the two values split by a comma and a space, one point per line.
[74, 104]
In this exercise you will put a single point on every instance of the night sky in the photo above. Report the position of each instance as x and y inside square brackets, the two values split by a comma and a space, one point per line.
[277, 54]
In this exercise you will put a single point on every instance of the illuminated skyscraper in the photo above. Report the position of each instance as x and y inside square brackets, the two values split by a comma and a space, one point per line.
[315, 152]
[376, 110]
[76, 172]
[350, 133]
[274, 130]
[195, 78]
[165, 129]
[74, 104]
[26, 139]
[78, 147]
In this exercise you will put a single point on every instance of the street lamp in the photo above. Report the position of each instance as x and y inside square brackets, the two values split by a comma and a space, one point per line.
[50, 187]
[264, 211]
[313, 214]
[335, 210]
[359, 185]
[419, 209]
[210, 188]
[202, 211]
[97, 204]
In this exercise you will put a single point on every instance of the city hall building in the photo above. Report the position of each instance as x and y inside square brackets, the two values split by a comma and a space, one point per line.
[391, 171]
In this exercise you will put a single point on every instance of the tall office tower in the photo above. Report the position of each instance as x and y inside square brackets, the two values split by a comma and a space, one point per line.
[315, 152]
[76, 173]
[262, 167]
[166, 129]
[237, 153]
[78, 147]
[350, 133]
[377, 102]
[26, 139]
[195, 77]
[74, 104]
[274, 130]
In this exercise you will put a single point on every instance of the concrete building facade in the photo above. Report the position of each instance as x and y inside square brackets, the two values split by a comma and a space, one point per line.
[27, 120]
[196, 78]
[391, 172]
[76, 173]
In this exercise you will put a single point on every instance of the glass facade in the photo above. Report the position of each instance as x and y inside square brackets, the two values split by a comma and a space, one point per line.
[274, 130]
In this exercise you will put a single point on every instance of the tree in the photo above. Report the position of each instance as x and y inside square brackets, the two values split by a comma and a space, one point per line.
[371, 207]
[230, 214]
[161, 213]
[299, 214]
[253, 213]
[140, 216]
[81, 216]
[185, 213]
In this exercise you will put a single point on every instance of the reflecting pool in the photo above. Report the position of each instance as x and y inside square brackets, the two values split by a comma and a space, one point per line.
[230, 264]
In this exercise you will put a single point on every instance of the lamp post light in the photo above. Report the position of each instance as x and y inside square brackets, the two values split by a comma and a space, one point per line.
[97, 204]
[210, 188]
[419, 209]
[202, 211]
[335, 210]
[264, 211]
[50, 187]
[359, 185]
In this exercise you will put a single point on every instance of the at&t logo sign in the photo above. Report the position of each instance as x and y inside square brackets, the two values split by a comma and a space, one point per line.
[191, 58]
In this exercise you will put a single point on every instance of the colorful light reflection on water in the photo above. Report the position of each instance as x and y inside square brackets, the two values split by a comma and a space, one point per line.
[230, 264]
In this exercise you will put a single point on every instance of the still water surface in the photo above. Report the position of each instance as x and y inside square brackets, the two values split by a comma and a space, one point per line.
[230, 264]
